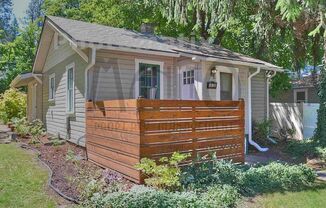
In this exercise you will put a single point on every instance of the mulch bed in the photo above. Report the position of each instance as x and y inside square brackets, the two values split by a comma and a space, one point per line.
[64, 170]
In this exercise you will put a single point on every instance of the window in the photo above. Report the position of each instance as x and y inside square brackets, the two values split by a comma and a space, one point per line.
[226, 85]
[51, 87]
[70, 88]
[188, 77]
[149, 79]
[300, 95]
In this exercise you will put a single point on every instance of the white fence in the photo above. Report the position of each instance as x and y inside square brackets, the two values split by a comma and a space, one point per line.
[302, 117]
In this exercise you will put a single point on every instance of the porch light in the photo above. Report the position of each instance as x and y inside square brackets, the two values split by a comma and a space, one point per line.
[213, 71]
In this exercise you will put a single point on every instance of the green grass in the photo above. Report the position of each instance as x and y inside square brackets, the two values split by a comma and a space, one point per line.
[22, 179]
[312, 198]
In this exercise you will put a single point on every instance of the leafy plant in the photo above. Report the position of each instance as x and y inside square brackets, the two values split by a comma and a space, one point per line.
[21, 126]
[70, 156]
[12, 105]
[261, 131]
[36, 129]
[163, 175]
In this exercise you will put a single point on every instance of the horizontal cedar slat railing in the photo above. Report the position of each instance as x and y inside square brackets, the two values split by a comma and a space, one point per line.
[121, 132]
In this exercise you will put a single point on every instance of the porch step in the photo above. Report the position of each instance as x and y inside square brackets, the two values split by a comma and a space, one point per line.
[6, 136]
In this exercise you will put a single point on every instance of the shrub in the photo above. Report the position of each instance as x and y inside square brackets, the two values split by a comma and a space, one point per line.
[12, 105]
[144, 197]
[221, 196]
[164, 175]
[252, 180]
[261, 131]
[275, 177]
[306, 148]
[21, 126]
[36, 129]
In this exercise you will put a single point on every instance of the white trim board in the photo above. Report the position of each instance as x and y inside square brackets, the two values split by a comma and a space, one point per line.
[144, 61]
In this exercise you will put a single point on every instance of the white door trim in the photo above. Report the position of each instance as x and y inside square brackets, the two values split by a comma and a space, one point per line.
[144, 61]
[235, 81]
[34, 100]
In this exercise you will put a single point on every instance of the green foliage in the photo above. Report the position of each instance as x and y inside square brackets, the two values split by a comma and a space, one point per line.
[70, 156]
[163, 175]
[12, 105]
[21, 126]
[252, 180]
[18, 56]
[143, 197]
[36, 129]
[261, 131]
[280, 83]
[305, 148]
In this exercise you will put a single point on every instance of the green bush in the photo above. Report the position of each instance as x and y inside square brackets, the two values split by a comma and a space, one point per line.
[144, 197]
[21, 126]
[12, 105]
[261, 131]
[252, 180]
[163, 175]
[275, 177]
[306, 148]
[36, 129]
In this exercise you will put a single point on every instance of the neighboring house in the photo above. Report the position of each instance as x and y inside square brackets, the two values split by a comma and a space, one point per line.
[78, 61]
[302, 90]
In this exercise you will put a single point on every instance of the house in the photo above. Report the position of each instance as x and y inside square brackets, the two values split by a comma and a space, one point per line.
[79, 61]
[303, 90]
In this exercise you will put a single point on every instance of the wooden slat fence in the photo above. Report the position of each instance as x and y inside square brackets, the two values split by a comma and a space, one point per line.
[120, 132]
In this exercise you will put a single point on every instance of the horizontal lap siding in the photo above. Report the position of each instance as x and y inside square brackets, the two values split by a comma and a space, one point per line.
[54, 113]
[113, 76]
[258, 94]
[121, 132]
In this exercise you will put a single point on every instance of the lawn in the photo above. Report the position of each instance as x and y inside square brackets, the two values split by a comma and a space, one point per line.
[22, 179]
[312, 198]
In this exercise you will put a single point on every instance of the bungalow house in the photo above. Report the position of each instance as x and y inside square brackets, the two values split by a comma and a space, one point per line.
[79, 61]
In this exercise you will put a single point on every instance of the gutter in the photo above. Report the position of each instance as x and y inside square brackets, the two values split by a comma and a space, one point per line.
[261, 149]
[91, 63]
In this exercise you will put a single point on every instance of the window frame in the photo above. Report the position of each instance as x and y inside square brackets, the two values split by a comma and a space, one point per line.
[68, 67]
[51, 76]
[235, 81]
[295, 91]
[137, 69]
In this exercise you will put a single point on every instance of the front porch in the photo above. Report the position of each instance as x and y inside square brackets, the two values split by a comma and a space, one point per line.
[121, 132]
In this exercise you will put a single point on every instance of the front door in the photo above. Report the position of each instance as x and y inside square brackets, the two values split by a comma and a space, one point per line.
[34, 87]
[188, 91]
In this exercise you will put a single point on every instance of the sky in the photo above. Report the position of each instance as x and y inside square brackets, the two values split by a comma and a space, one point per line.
[19, 8]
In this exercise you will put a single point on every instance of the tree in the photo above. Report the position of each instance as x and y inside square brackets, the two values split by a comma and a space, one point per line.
[292, 10]
[34, 10]
[5, 20]
[18, 55]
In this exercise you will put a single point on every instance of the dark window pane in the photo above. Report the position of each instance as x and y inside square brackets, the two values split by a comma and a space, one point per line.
[226, 86]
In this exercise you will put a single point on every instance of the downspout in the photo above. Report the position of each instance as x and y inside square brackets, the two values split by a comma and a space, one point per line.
[267, 93]
[261, 149]
[91, 63]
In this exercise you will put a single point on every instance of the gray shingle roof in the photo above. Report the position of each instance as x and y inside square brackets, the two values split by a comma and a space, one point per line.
[84, 32]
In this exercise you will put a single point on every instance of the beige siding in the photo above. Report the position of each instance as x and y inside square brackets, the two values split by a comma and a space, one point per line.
[38, 100]
[56, 56]
[113, 76]
[258, 94]
[54, 112]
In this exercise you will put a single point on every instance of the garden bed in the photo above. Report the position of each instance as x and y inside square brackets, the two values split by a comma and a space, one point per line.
[71, 170]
